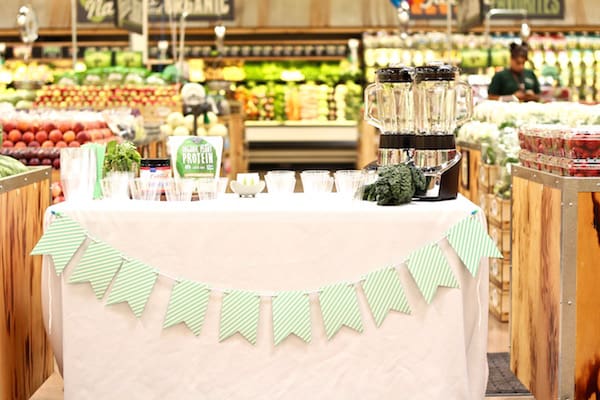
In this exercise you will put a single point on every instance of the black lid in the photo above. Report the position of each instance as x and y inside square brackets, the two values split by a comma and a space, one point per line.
[155, 162]
[436, 72]
[394, 74]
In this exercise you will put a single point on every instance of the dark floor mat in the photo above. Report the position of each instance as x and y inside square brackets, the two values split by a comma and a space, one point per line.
[501, 380]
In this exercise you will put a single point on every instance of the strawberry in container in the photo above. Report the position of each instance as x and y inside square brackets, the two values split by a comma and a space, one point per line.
[583, 168]
[583, 142]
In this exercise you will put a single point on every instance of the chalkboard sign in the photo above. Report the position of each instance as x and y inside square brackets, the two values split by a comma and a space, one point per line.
[104, 11]
[536, 9]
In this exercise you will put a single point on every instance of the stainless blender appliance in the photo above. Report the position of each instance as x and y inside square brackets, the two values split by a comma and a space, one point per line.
[437, 100]
[389, 107]
[416, 112]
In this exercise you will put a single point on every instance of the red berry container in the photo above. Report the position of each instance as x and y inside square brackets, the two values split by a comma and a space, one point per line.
[583, 143]
[581, 168]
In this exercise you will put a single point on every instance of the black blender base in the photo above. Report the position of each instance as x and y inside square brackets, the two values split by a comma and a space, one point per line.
[448, 185]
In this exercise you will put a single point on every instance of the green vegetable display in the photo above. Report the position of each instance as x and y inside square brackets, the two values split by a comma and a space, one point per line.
[397, 184]
[10, 166]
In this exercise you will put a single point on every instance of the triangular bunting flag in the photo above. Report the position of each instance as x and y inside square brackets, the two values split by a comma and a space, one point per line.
[339, 307]
[384, 292]
[61, 240]
[471, 242]
[429, 268]
[188, 304]
[239, 313]
[291, 314]
[134, 285]
[99, 264]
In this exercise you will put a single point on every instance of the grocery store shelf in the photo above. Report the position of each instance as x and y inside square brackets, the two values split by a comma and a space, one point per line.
[301, 132]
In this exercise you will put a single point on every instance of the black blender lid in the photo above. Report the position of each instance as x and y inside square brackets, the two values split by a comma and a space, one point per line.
[436, 72]
[395, 74]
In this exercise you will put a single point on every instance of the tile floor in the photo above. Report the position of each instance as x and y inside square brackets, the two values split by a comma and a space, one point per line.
[498, 341]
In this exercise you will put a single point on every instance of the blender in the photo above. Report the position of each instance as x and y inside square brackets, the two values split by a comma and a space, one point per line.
[416, 111]
[437, 95]
[389, 107]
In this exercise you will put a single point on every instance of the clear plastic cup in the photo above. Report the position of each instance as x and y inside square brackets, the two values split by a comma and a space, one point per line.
[115, 186]
[350, 183]
[178, 189]
[222, 184]
[207, 188]
[316, 181]
[280, 182]
[145, 189]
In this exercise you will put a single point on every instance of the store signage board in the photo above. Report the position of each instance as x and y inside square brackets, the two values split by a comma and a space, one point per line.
[536, 9]
[128, 15]
[431, 12]
[104, 11]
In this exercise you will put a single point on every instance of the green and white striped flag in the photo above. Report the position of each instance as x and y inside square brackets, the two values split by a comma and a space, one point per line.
[133, 285]
[384, 292]
[99, 264]
[188, 304]
[61, 240]
[239, 313]
[291, 314]
[429, 268]
[471, 242]
[339, 306]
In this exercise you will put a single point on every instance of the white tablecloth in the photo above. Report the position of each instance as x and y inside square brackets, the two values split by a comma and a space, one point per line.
[437, 352]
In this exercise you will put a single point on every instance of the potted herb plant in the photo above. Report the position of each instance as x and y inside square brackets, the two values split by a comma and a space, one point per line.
[121, 162]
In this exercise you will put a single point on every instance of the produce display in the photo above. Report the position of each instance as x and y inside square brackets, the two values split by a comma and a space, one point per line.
[177, 124]
[9, 166]
[108, 96]
[20, 98]
[561, 150]
[36, 138]
[396, 184]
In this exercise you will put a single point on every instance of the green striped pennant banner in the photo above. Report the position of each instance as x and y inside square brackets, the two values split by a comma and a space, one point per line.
[239, 313]
[291, 315]
[188, 304]
[133, 285]
[384, 292]
[429, 268]
[99, 264]
[339, 307]
[471, 242]
[61, 240]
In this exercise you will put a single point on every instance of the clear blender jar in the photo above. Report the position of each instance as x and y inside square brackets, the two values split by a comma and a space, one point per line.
[389, 107]
[437, 96]
[441, 103]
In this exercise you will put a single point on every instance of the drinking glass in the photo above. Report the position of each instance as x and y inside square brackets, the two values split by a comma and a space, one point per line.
[316, 181]
[280, 182]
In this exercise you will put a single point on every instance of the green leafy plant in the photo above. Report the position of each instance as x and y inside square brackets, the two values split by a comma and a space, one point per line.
[121, 157]
[397, 184]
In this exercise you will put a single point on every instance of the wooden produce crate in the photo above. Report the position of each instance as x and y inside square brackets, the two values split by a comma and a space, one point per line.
[500, 272]
[501, 236]
[26, 359]
[488, 176]
[555, 317]
[499, 302]
[499, 211]
[469, 170]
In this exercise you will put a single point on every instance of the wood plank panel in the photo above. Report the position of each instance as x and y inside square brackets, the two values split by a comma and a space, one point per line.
[25, 355]
[535, 299]
[587, 347]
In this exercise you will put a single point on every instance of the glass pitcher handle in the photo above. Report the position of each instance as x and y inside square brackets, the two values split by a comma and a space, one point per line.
[468, 101]
[368, 116]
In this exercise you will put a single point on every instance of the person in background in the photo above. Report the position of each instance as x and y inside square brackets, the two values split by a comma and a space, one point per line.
[516, 80]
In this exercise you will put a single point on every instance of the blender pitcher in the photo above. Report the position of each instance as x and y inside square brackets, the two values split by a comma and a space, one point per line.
[436, 94]
[389, 107]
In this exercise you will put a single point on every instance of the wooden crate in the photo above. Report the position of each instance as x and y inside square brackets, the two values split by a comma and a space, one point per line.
[555, 346]
[488, 176]
[469, 170]
[500, 272]
[499, 302]
[25, 355]
[501, 237]
[499, 211]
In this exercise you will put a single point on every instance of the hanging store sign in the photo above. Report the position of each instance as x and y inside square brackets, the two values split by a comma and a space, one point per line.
[104, 11]
[417, 11]
[545, 9]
